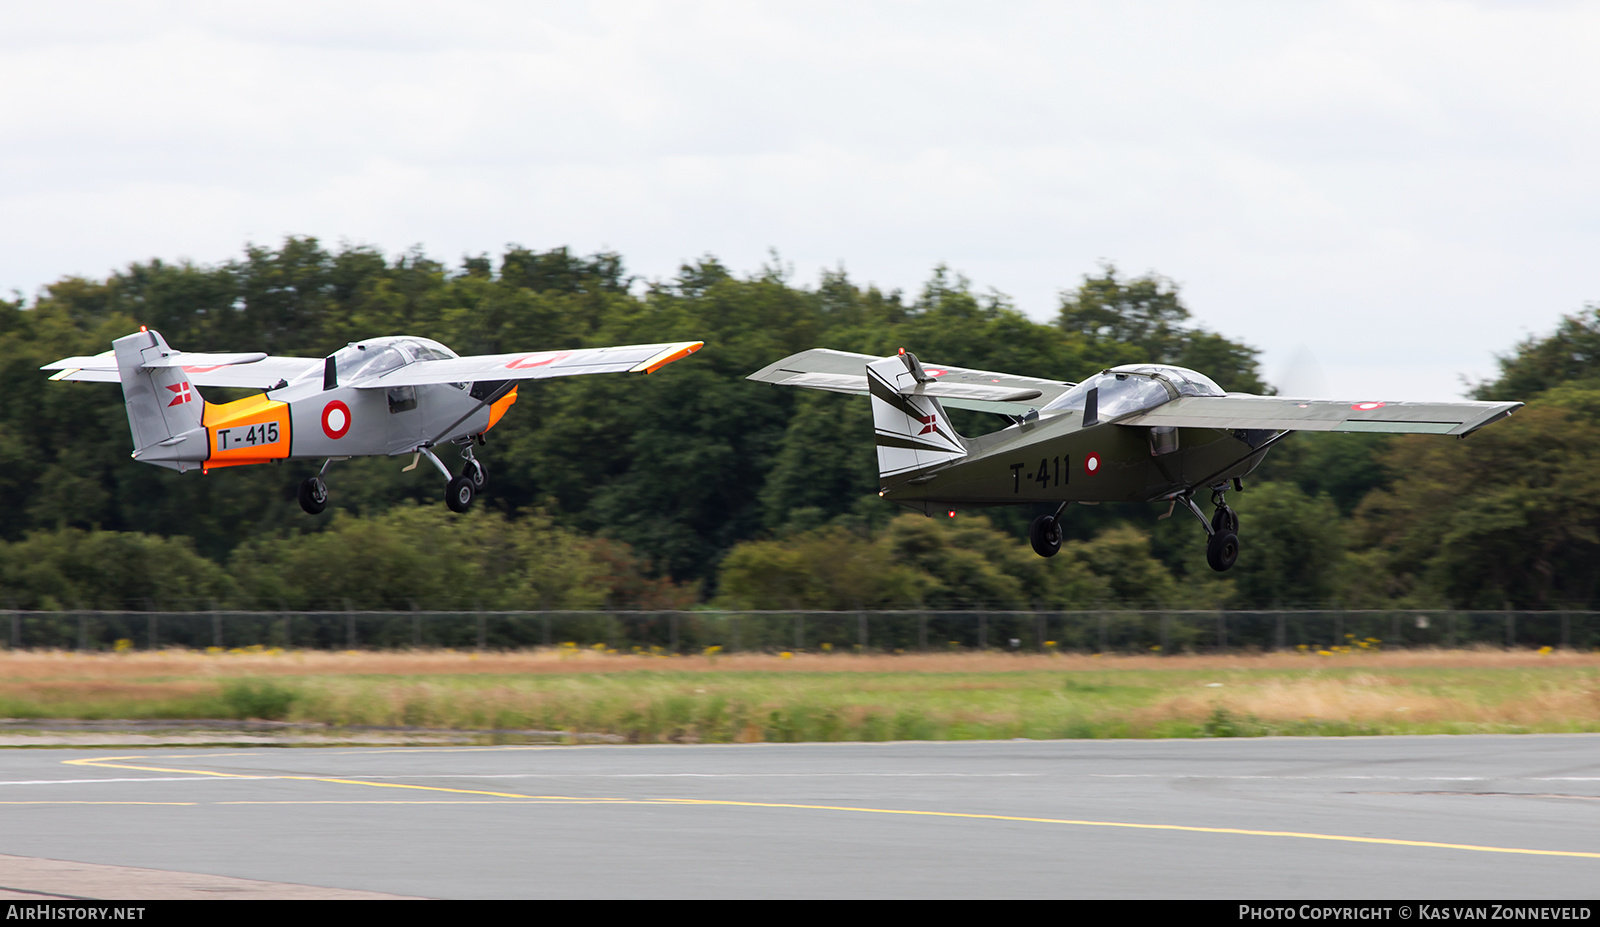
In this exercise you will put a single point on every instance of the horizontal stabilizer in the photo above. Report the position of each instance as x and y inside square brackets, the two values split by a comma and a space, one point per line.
[252, 370]
[960, 387]
[194, 359]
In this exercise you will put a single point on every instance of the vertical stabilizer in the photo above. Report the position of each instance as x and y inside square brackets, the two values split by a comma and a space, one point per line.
[913, 432]
[164, 408]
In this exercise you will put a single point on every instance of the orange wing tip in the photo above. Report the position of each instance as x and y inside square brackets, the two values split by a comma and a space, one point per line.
[676, 352]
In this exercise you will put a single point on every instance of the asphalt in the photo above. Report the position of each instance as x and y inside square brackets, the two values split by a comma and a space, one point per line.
[1271, 818]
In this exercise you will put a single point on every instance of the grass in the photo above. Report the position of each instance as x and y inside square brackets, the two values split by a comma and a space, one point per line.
[805, 697]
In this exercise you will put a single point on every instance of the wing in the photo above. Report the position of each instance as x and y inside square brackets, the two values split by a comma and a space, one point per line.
[1280, 414]
[961, 387]
[250, 371]
[538, 365]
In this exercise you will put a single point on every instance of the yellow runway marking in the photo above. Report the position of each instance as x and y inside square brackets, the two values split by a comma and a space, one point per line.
[103, 762]
[568, 799]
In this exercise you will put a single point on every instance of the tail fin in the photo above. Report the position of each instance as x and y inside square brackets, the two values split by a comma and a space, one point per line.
[913, 431]
[164, 409]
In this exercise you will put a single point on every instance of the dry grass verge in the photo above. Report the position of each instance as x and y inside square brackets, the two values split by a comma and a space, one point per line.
[745, 697]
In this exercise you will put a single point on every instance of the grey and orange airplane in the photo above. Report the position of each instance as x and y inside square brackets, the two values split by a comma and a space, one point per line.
[1135, 433]
[386, 396]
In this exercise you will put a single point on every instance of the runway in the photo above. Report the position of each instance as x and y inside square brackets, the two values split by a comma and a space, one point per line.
[1514, 817]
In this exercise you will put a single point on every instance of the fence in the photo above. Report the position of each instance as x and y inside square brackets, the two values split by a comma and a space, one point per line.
[771, 631]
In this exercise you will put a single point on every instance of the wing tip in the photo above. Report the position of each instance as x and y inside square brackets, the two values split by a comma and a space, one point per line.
[672, 352]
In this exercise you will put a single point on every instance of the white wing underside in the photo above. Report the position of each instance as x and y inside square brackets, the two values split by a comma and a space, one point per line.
[260, 371]
[538, 365]
[1277, 413]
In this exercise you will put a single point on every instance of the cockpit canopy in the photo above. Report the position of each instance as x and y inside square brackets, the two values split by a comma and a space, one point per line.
[378, 356]
[1135, 388]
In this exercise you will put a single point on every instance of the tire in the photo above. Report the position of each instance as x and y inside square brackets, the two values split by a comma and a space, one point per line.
[474, 469]
[458, 495]
[1222, 550]
[1045, 535]
[1225, 519]
[313, 495]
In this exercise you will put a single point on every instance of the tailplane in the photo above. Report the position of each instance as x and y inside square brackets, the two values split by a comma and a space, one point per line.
[165, 411]
[913, 432]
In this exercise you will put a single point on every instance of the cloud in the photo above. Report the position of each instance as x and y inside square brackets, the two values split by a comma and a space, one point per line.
[1412, 183]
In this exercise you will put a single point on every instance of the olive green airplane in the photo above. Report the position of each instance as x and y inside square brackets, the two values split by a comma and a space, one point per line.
[1135, 433]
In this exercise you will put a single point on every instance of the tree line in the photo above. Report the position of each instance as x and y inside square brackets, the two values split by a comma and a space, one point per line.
[695, 485]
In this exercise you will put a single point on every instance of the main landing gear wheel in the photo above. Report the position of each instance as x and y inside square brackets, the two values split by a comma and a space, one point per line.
[458, 495]
[1225, 519]
[313, 495]
[473, 468]
[1222, 550]
[1045, 535]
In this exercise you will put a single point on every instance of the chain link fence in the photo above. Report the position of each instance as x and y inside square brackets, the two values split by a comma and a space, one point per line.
[1111, 631]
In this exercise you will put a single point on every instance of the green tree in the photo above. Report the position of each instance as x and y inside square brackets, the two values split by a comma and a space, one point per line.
[1143, 320]
[1292, 549]
[1509, 517]
[1569, 355]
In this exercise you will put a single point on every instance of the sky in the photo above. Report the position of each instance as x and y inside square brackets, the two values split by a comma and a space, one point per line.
[1380, 196]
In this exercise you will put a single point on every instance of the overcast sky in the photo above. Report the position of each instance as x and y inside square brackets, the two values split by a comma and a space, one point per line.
[1381, 196]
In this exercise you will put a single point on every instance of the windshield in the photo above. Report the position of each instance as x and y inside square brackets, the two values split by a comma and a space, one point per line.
[1188, 382]
[381, 355]
[1121, 392]
[366, 360]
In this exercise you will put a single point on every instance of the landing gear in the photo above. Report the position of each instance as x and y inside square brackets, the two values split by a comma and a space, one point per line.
[474, 469]
[1222, 530]
[458, 495]
[1222, 550]
[313, 495]
[1225, 519]
[1045, 535]
[1223, 547]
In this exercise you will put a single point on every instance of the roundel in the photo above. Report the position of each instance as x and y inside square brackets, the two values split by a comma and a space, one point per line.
[1368, 406]
[335, 419]
[1091, 464]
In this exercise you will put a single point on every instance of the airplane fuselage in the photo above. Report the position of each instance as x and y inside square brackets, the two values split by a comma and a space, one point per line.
[1055, 458]
[304, 420]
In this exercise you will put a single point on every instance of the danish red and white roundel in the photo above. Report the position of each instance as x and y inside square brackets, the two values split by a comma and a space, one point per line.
[1091, 464]
[335, 419]
[1368, 406]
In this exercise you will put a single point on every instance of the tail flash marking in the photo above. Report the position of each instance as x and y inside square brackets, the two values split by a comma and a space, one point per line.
[913, 433]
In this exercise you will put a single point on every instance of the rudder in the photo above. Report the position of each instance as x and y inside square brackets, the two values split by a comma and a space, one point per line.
[165, 411]
[912, 431]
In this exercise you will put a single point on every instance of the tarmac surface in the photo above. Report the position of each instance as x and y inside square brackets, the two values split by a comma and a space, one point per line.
[1420, 818]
